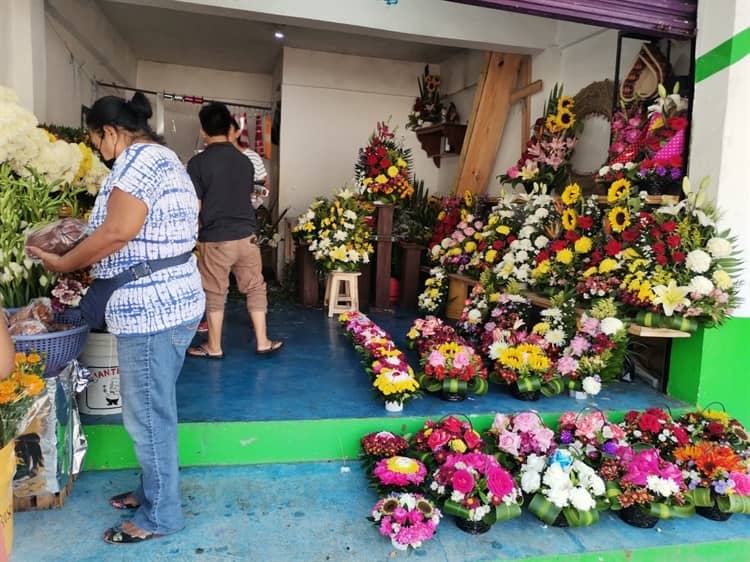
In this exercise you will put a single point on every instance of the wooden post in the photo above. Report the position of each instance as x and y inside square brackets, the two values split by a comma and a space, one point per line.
[411, 259]
[365, 282]
[307, 291]
[383, 257]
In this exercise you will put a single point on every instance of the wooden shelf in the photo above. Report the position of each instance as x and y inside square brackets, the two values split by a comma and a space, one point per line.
[433, 140]
[646, 332]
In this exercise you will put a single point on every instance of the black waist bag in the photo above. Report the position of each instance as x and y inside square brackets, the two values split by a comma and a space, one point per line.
[94, 302]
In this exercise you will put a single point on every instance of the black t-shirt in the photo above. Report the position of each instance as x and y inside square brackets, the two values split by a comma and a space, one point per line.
[223, 180]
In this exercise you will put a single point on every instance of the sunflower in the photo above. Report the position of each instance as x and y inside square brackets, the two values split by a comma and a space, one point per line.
[551, 124]
[468, 198]
[571, 194]
[569, 219]
[565, 102]
[619, 218]
[618, 190]
[565, 119]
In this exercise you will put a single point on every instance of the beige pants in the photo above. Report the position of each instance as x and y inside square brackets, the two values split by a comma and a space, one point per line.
[240, 257]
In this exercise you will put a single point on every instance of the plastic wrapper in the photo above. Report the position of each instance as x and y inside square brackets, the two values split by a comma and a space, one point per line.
[27, 328]
[38, 309]
[51, 448]
[57, 237]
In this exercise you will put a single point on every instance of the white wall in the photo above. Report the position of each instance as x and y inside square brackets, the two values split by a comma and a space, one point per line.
[81, 45]
[181, 119]
[330, 105]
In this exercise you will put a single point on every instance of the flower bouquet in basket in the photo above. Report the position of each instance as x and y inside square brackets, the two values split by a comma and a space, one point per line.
[527, 369]
[717, 427]
[644, 488]
[436, 440]
[383, 169]
[18, 395]
[380, 445]
[426, 332]
[477, 491]
[508, 314]
[514, 437]
[460, 252]
[590, 436]
[454, 369]
[566, 492]
[718, 479]
[407, 519]
[655, 427]
[398, 474]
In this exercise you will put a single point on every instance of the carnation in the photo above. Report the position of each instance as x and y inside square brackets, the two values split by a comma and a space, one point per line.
[591, 385]
[698, 261]
[530, 481]
[722, 279]
[701, 285]
[581, 499]
[719, 247]
[610, 326]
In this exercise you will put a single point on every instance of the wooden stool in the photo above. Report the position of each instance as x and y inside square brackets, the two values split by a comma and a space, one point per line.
[342, 292]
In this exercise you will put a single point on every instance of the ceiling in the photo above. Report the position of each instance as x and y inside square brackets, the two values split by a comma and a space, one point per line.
[226, 43]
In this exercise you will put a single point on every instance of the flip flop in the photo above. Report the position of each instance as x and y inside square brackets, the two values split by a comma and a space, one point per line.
[202, 353]
[275, 346]
[118, 501]
[116, 535]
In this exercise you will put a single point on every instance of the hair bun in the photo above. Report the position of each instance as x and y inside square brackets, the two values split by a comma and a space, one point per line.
[141, 106]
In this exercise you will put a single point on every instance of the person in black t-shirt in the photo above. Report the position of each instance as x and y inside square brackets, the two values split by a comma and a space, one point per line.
[223, 180]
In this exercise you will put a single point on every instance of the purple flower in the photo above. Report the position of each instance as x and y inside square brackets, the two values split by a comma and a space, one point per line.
[610, 447]
[676, 173]
[721, 486]
[661, 171]
[566, 437]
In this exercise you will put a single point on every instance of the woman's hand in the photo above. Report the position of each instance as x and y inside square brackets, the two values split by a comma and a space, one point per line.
[52, 262]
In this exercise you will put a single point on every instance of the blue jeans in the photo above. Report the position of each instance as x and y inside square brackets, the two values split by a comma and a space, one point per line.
[149, 367]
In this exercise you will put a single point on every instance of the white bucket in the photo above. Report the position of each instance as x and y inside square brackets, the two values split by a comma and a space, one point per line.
[102, 395]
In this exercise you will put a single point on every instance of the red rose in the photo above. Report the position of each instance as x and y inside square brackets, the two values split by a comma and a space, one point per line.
[452, 424]
[558, 245]
[498, 245]
[572, 235]
[715, 429]
[541, 256]
[661, 259]
[471, 439]
[656, 233]
[659, 248]
[649, 422]
[613, 247]
[631, 416]
[374, 172]
[385, 163]
[381, 152]
[372, 160]
[675, 161]
[669, 226]
[673, 241]
[678, 257]
[438, 438]
[585, 222]
[680, 434]
[630, 235]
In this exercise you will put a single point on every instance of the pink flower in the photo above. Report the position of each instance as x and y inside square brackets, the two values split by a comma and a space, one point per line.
[586, 427]
[566, 365]
[526, 421]
[400, 515]
[579, 345]
[590, 326]
[386, 525]
[463, 481]
[568, 418]
[438, 438]
[512, 173]
[544, 437]
[500, 422]
[509, 442]
[741, 483]
[470, 231]
[436, 359]
[461, 360]
[415, 516]
[617, 432]
[499, 482]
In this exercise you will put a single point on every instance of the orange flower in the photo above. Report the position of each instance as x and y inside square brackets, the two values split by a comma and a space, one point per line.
[711, 459]
[33, 358]
[32, 384]
[8, 389]
[20, 358]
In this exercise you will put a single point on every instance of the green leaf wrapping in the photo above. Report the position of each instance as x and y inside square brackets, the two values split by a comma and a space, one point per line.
[701, 497]
[529, 384]
[453, 508]
[502, 513]
[734, 504]
[544, 509]
[578, 518]
[664, 511]
[553, 387]
[652, 320]
[612, 492]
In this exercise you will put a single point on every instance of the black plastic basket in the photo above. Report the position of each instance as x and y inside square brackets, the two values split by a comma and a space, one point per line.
[472, 527]
[636, 516]
[713, 513]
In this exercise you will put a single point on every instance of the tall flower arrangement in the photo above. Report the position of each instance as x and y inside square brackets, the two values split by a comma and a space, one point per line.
[383, 168]
[427, 109]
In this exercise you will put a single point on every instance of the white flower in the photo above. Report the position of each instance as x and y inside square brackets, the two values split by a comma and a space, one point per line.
[556, 477]
[596, 485]
[457, 496]
[591, 386]
[610, 326]
[526, 232]
[719, 247]
[340, 236]
[522, 256]
[722, 279]
[665, 487]
[541, 241]
[558, 496]
[698, 261]
[350, 215]
[535, 463]
[541, 213]
[629, 165]
[530, 482]
[555, 337]
[617, 167]
[604, 170]
[474, 316]
[496, 349]
[701, 285]
[345, 193]
[581, 499]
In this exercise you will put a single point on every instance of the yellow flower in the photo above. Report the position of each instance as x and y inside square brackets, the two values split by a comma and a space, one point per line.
[389, 382]
[468, 198]
[565, 102]
[470, 246]
[607, 265]
[401, 163]
[511, 358]
[619, 218]
[564, 256]
[449, 349]
[367, 181]
[491, 256]
[8, 389]
[458, 445]
[565, 119]
[714, 415]
[645, 293]
[631, 253]
[441, 215]
[32, 384]
[589, 272]
[494, 297]
[671, 296]
[541, 328]
[618, 190]
[583, 245]
[503, 229]
[381, 179]
[402, 465]
[339, 253]
[543, 267]
[571, 194]
[538, 362]
[551, 124]
[392, 171]
[569, 219]
[413, 334]
[493, 220]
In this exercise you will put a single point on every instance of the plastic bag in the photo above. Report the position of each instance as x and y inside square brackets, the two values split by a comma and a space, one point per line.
[57, 237]
[27, 328]
[38, 309]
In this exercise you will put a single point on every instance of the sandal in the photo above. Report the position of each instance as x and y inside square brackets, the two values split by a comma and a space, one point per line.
[116, 535]
[118, 501]
[274, 347]
[202, 353]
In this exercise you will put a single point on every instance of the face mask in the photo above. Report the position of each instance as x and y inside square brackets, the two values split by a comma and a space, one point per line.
[109, 163]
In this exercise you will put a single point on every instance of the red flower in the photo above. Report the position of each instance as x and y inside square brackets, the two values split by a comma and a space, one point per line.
[669, 226]
[656, 233]
[596, 257]
[630, 235]
[541, 256]
[649, 422]
[471, 439]
[511, 239]
[452, 424]
[374, 172]
[680, 434]
[438, 438]
[677, 123]
[372, 160]
[715, 429]
[380, 152]
[673, 241]
[661, 259]
[613, 247]
[678, 257]
[498, 244]
[631, 416]
[585, 222]
[659, 248]
[572, 235]
[675, 161]
[385, 163]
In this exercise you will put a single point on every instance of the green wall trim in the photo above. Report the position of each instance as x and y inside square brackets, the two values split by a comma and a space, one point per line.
[719, 551]
[242, 443]
[722, 56]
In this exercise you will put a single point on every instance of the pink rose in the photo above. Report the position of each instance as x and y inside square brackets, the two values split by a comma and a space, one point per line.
[586, 427]
[526, 421]
[436, 359]
[461, 360]
[509, 442]
[472, 439]
[741, 483]
[463, 481]
[499, 482]
[470, 231]
[512, 173]
[438, 438]
[544, 437]
[568, 418]
[500, 422]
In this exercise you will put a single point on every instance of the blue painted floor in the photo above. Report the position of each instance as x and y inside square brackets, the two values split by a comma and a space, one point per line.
[309, 513]
[318, 375]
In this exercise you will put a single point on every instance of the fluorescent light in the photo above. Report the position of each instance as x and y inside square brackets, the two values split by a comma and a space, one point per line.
[278, 34]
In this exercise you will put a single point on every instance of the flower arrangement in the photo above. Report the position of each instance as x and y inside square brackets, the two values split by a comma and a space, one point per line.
[460, 253]
[398, 473]
[547, 156]
[646, 488]
[426, 332]
[716, 427]
[454, 209]
[654, 427]
[383, 444]
[436, 440]
[455, 368]
[393, 378]
[524, 365]
[508, 314]
[718, 478]
[407, 519]
[516, 436]
[427, 109]
[474, 487]
[383, 169]
[337, 232]
[432, 300]
[590, 436]
[17, 395]
[565, 490]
